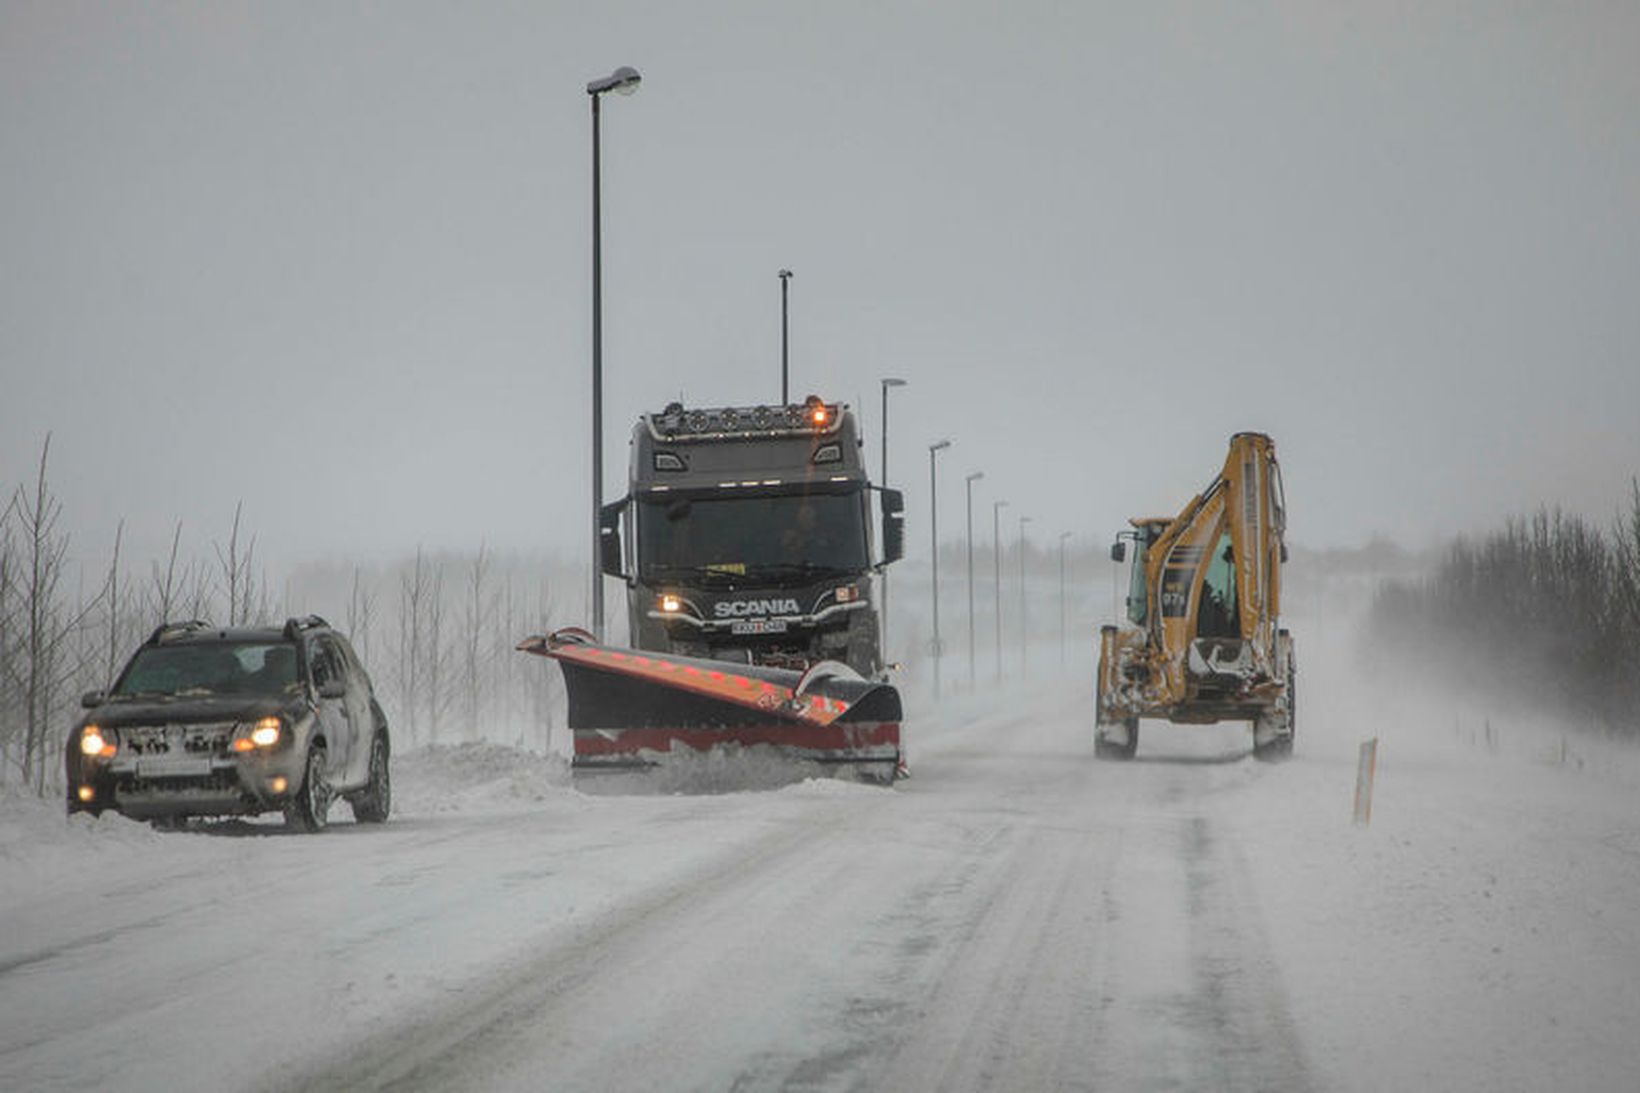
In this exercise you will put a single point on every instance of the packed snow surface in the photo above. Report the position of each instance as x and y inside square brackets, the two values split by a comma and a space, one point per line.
[1016, 916]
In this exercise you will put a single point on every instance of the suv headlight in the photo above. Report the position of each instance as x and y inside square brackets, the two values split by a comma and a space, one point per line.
[259, 734]
[96, 745]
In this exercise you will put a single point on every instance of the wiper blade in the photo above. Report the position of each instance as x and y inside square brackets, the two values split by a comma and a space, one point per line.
[704, 573]
[802, 569]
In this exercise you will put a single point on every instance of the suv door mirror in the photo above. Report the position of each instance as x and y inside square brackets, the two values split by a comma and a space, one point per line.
[609, 538]
[92, 699]
[1118, 551]
[333, 688]
[893, 508]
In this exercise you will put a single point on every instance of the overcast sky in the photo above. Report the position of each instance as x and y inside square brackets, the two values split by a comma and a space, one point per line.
[333, 260]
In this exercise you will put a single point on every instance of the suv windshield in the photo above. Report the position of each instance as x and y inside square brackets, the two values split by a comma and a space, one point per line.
[220, 668]
[751, 534]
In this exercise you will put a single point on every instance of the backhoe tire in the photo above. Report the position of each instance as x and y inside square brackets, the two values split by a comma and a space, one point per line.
[1276, 750]
[309, 809]
[1280, 746]
[371, 804]
[1104, 748]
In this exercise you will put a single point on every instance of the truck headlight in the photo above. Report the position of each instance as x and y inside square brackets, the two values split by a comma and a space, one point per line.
[94, 744]
[847, 593]
[671, 604]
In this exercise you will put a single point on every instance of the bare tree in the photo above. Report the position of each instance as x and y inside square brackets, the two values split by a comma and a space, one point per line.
[477, 621]
[47, 621]
[10, 654]
[434, 659]
[361, 607]
[413, 593]
[165, 584]
[111, 601]
[236, 573]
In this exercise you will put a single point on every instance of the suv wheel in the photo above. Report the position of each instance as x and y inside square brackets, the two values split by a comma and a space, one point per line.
[307, 811]
[370, 805]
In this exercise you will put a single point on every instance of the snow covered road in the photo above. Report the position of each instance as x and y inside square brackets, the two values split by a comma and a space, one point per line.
[1017, 916]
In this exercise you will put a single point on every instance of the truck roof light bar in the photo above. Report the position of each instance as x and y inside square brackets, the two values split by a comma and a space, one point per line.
[674, 424]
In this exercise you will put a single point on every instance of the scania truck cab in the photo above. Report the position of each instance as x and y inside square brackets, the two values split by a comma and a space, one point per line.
[747, 536]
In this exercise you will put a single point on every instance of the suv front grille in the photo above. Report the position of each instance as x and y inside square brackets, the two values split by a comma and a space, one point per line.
[177, 739]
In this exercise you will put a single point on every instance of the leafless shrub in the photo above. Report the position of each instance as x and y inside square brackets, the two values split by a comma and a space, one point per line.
[1548, 609]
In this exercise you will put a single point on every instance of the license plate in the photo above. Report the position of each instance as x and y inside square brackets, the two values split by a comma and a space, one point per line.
[758, 626]
[168, 767]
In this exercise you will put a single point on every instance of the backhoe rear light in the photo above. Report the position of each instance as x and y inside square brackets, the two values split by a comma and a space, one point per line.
[85, 793]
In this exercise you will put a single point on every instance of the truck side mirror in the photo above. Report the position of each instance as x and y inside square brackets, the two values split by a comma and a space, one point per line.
[609, 538]
[893, 508]
[1118, 551]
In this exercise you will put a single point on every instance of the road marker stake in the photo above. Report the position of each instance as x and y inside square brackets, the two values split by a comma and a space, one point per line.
[1365, 771]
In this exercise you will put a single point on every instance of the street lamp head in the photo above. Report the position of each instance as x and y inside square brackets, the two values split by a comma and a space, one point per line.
[785, 274]
[890, 382]
[623, 81]
[939, 445]
[976, 476]
[999, 504]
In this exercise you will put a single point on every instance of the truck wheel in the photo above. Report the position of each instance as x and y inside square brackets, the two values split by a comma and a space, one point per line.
[308, 810]
[1106, 748]
[371, 805]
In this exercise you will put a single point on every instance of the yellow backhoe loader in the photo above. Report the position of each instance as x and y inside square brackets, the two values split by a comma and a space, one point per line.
[1203, 642]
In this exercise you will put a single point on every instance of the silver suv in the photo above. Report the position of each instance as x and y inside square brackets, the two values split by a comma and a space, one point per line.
[211, 722]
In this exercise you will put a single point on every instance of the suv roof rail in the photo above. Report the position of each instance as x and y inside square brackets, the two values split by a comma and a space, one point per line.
[294, 626]
[167, 630]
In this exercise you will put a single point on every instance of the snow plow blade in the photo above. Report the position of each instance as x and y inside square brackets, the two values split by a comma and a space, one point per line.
[644, 712]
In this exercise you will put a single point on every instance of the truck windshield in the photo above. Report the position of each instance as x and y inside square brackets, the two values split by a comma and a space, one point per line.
[777, 536]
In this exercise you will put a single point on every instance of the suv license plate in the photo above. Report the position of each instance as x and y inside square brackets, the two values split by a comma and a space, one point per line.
[181, 767]
[758, 626]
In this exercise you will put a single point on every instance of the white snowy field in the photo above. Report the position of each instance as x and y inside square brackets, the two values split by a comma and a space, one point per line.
[1016, 916]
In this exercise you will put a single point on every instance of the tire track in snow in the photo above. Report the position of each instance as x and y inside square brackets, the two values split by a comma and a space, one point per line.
[1019, 916]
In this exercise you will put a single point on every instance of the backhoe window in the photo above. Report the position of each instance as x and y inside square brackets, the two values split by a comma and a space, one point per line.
[1138, 602]
[1216, 615]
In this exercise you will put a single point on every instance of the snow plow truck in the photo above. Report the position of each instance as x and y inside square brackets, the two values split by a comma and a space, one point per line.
[1202, 641]
[748, 563]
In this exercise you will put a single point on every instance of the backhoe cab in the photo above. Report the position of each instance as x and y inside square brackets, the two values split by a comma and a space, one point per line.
[1202, 640]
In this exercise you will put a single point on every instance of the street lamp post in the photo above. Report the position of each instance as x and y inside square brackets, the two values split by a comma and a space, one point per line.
[996, 584]
[971, 479]
[624, 81]
[1024, 622]
[1062, 537]
[934, 449]
[785, 370]
[882, 627]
